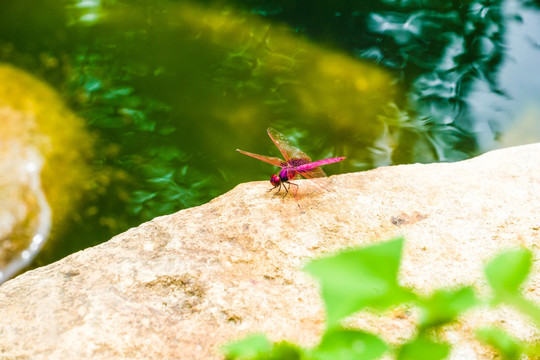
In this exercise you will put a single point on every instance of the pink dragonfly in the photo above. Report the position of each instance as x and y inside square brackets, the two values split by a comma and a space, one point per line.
[296, 163]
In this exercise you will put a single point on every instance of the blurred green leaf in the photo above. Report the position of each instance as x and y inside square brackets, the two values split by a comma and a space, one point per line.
[252, 347]
[134, 209]
[526, 306]
[258, 347]
[507, 272]
[183, 170]
[355, 279]
[92, 85]
[509, 348]
[140, 119]
[285, 351]
[533, 350]
[164, 179]
[105, 117]
[141, 196]
[345, 344]
[167, 130]
[445, 305]
[423, 348]
[118, 92]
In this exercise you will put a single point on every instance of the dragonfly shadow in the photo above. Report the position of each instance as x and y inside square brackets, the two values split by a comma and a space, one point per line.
[303, 190]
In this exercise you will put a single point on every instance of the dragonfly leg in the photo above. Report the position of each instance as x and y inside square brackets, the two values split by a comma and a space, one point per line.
[285, 187]
[277, 186]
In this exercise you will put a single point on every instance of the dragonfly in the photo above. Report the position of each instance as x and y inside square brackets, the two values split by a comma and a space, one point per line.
[296, 163]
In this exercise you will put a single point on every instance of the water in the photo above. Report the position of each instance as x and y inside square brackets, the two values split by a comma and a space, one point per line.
[171, 88]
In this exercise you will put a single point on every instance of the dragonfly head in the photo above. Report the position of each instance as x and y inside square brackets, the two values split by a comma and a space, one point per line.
[275, 180]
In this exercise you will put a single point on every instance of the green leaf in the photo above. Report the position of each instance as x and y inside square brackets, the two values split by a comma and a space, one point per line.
[164, 179]
[92, 85]
[445, 306]
[526, 306]
[345, 344]
[507, 271]
[118, 92]
[506, 274]
[252, 347]
[355, 279]
[141, 196]
[423, 348]
[167, 130]
[532, 350]
[285, 351]
[509, 348]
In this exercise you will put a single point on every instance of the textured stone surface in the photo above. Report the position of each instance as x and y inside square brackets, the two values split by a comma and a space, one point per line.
[181, 285]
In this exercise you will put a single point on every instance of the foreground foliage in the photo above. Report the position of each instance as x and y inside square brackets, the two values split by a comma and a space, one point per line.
[367, 278]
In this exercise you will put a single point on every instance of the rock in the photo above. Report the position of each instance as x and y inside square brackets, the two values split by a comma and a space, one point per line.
[40, 138]
[182, 285]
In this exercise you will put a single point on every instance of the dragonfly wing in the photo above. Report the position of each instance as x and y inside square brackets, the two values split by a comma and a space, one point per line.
[288, 151]
[315, 175]
[311, 173]
[312, 170]
[271, 160]
[315, 164]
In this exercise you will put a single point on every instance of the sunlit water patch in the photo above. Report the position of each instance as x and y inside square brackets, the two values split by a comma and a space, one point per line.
[512, 113]
[25, 216]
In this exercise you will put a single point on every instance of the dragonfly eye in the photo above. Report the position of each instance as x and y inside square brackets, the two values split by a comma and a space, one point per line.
[274, 180]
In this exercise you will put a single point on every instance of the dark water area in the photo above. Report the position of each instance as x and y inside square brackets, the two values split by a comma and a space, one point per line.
[170, 89]
[470, 68]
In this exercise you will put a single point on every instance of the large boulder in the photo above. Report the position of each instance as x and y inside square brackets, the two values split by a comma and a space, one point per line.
[182, 285]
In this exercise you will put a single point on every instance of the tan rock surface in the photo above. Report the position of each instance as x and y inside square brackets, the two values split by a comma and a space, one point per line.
[181, 285]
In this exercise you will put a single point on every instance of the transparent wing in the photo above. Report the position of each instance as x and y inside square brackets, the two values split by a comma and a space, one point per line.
[271, 160]
[288, 151]
[311, 173]
[312, 170]
[315, 176]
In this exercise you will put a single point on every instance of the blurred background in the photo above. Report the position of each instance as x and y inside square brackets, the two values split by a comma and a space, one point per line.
[134, 109]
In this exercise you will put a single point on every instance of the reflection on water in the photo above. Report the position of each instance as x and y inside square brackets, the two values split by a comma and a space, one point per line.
[470, 67]
[172, 88]
[512, 112]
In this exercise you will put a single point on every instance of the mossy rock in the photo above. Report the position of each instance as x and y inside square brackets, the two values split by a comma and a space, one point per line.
[39, 130]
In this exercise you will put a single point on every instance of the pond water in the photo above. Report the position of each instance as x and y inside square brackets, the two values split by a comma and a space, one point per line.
[169, 90]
